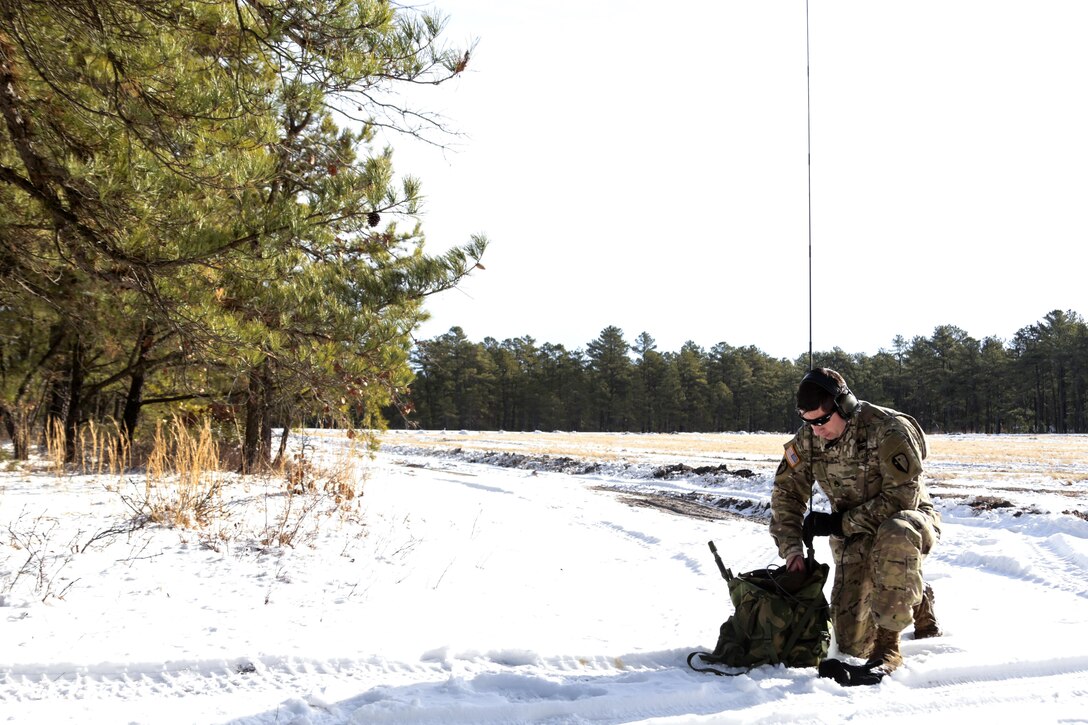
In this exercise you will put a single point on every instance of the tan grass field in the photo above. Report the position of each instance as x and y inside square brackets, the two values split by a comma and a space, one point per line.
[1027, 468]
[1067, 452]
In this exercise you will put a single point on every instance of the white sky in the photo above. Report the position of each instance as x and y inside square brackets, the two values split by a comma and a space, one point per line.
[645, 166]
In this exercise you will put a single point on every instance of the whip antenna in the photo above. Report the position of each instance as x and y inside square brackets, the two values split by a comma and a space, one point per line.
[808, 120]
[808, 129]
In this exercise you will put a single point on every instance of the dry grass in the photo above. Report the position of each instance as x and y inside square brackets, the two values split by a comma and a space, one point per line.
[599, 446]
[1067, 450]
[99, 449]
[318, 487]
[104, 449]
[55, 443]
[336, 475]
[993, 450]
[183, 481]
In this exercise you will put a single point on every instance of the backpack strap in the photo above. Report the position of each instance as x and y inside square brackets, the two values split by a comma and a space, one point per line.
[708, 657]
[801, 626]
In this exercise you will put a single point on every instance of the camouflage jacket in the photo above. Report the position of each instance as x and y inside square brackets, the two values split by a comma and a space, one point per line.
[872, 471]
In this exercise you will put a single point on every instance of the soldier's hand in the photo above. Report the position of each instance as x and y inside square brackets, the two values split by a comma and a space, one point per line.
[818, 523]
[795, 563]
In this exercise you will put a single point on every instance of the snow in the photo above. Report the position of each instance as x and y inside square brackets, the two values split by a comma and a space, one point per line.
[455, 590]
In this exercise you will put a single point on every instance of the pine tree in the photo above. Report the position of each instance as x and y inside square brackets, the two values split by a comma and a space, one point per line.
[185, 205]
[610, 372]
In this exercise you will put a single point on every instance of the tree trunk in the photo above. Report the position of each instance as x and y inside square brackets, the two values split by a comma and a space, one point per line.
[130, 416]
[19, 416]
[283, 444]
[134, 401]
[266, 422]
[252, 434]
[77, 374]
[18, 428]
[56, 408]
[257, 438]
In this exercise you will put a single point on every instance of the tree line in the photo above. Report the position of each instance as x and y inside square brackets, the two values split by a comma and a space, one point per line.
[950, 381]
[197, 217]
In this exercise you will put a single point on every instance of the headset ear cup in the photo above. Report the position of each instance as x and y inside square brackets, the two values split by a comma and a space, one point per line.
[847, 403]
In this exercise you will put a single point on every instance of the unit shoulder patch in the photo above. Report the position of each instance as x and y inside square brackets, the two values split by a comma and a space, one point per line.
[791, 456]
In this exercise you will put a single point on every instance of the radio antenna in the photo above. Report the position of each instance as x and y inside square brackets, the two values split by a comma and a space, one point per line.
[808, 120]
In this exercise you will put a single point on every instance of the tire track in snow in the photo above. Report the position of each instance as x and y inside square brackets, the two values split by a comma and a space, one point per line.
[951, 675]
[644, 540]
[1056, 562]
[188, 679]
[195, 678]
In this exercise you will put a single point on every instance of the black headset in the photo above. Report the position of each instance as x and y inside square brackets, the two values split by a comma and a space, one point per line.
[845, 401]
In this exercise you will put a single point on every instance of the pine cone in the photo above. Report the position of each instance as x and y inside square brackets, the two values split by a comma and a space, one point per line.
[373, 218]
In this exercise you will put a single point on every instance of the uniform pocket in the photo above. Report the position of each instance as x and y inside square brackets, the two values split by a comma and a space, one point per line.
[924, 526]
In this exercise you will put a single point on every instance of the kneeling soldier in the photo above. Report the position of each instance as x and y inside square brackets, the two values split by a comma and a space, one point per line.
[868, 462]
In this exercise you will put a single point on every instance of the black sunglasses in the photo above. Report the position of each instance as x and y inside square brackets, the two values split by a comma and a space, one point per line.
[822, 420]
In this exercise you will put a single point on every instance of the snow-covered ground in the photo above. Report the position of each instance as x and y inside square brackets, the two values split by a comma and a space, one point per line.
[465, 586]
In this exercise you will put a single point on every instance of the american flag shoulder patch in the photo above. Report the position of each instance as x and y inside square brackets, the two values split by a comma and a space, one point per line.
[791, 456]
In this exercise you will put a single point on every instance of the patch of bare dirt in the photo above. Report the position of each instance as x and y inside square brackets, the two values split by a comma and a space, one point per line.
[692, 504]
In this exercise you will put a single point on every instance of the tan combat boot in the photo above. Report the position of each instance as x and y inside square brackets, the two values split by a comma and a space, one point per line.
[925, 619]
[885, 657]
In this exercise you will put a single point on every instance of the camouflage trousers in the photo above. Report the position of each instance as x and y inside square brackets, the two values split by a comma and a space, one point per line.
[878, 579]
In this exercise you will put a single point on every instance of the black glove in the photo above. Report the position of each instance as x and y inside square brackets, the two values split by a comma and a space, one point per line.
[850, 675]
[818, 523]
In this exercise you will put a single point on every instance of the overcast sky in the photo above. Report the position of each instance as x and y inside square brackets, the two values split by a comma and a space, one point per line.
[645, 166]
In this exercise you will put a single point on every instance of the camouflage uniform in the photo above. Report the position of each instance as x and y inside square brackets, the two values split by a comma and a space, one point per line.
[873, 474]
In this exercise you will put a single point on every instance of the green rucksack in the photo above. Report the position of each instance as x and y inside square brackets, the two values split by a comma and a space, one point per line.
[779, 617]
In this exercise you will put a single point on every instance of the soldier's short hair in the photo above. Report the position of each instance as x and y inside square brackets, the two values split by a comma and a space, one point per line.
[813, 396]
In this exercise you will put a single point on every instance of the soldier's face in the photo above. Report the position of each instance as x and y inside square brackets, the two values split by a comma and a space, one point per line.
[829, 430]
